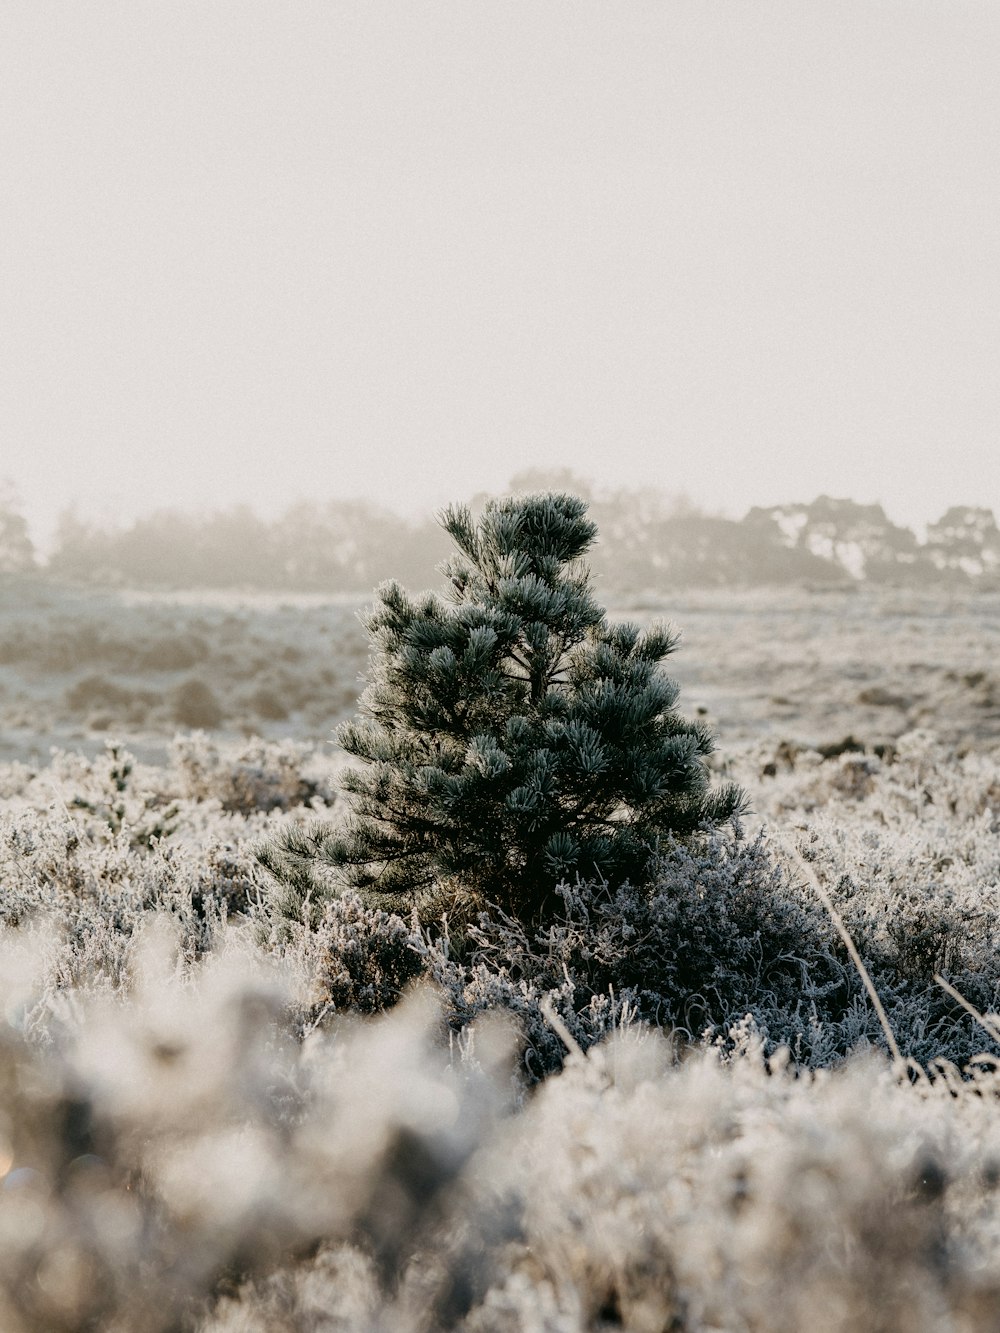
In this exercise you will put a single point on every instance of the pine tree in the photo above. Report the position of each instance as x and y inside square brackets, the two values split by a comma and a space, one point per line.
[511, 736]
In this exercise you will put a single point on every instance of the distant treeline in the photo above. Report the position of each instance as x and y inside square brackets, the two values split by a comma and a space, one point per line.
[647, 542]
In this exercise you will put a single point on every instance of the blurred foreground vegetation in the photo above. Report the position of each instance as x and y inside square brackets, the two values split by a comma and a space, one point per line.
[670, 1109]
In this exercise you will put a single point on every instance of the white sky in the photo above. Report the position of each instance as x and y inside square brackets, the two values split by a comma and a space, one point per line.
[253, 250]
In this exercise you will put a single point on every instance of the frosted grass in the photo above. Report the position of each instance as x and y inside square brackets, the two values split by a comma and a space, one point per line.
[201, 1128]
[673, 1110]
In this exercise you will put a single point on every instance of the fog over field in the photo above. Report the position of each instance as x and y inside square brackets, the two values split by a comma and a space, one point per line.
[746, 254]
[574, 909]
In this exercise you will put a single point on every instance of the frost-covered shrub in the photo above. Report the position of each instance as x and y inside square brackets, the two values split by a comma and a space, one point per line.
[175, 1161]
[713, 1197]
[109, 793]
[257, 775]
[717, 932]
[918, 777]
[914, 912]
[721, 932]
[165, 1150]
[199, 1131]
[356, 958]
[911, 863]
[92, 847]
[94, 895]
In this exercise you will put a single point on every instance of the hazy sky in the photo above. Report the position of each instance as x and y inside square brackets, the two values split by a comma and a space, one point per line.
[252, 251]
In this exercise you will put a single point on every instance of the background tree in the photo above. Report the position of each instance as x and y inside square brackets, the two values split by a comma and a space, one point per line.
[965, 543]
[17, 551]
[512, 736]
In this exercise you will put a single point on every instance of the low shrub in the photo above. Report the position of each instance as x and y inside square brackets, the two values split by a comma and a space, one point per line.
[171, 652]
[194, 704]
[256, 775]
[96, 691]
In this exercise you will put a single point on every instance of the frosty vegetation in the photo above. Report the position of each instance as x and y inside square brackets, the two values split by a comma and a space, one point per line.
[665, 1107]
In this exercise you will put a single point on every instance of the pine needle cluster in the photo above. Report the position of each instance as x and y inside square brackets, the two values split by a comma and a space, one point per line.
[511, 736]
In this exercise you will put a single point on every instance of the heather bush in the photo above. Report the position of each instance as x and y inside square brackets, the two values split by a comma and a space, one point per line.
[99, 692]
[353, 958]
[717, 932]
[909, 858]
[89, 848]
[257, 775]
[175, 1160]
[195, 705]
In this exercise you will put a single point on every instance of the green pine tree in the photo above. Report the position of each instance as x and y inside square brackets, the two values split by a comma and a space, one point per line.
[511, 736]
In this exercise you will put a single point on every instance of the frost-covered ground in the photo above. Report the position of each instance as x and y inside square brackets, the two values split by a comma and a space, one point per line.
[215, 1119]
[77, 665]
[804, 666]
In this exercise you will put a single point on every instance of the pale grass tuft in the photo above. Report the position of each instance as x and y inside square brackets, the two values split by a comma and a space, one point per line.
[849, 944]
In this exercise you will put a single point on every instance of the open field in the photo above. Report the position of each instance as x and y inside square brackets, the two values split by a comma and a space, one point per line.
[199, 1132]
[806, 667]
